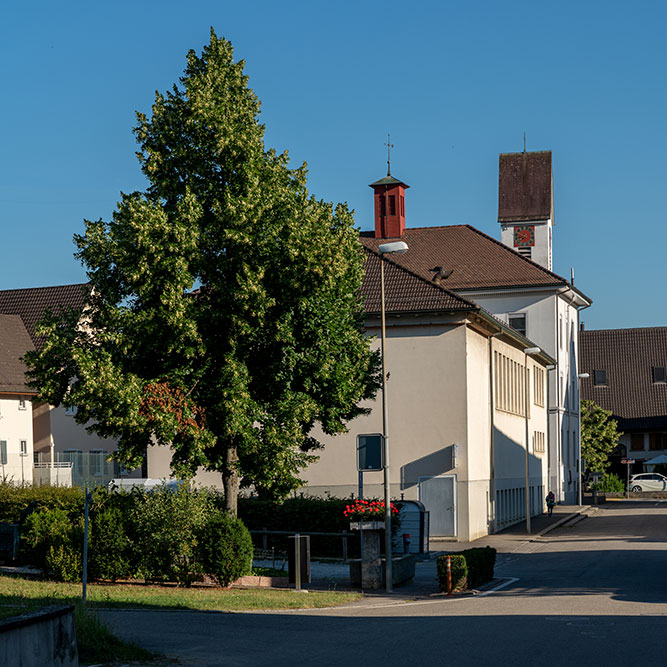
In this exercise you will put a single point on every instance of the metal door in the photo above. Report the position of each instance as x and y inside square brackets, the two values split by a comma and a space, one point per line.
[438, 494]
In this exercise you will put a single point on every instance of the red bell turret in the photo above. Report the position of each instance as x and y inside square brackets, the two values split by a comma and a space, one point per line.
[389, 195]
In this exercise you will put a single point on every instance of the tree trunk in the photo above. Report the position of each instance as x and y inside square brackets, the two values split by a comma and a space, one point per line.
[230, 481]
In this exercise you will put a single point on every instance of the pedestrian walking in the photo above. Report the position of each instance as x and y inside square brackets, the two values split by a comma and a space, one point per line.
[551, 501]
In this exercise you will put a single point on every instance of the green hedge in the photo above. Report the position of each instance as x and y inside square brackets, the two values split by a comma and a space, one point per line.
[478, 564]
[161, 535]
[301, 515]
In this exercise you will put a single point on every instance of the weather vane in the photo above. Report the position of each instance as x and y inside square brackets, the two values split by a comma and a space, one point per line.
[389, 146]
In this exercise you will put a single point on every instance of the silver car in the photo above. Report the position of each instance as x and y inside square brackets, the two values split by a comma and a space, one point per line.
[648, 481]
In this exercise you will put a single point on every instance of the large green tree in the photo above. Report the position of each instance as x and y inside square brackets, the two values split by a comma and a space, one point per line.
[224, 318]
[599, 436]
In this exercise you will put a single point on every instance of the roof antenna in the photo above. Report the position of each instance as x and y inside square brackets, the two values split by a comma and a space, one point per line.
[389, 146]
[524, 142]
[572, 275]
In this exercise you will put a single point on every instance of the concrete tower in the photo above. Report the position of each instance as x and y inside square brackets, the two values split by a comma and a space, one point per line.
[526, 204]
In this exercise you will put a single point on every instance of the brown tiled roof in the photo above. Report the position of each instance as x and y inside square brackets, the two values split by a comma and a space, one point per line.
[405, 291]
[477, 260]
[525, 186]
[14, 343]
[32, 304]
[628, 357]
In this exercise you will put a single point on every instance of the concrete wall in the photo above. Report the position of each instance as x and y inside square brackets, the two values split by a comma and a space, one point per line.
[16, 425]
[426, 408]
[44, 637]
[159, 467]
[552, 322]
[439, 397]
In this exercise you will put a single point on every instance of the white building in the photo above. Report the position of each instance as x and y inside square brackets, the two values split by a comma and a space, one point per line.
[513, 281]
[16, 441]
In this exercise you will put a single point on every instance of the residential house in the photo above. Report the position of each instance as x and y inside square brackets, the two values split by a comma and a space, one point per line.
[627, 375]
[16, 435]
[55, 431]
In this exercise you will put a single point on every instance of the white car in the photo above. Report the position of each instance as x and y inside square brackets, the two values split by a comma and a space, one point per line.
[648, 481]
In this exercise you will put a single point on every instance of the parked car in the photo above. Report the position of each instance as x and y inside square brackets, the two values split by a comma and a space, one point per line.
[648, 481]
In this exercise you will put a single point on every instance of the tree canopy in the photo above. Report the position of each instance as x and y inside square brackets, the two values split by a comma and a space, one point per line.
[225, 319]
[599, 436]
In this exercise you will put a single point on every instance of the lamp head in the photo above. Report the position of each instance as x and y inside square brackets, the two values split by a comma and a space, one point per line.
[393, 248]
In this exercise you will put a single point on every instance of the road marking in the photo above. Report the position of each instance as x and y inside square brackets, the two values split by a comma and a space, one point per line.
[510, 580]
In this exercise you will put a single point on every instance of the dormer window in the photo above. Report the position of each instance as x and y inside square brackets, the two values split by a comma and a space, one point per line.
[518, 322]
[659, 374]
[600, 378]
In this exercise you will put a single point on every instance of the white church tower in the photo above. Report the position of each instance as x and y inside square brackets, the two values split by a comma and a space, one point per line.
[526, 204]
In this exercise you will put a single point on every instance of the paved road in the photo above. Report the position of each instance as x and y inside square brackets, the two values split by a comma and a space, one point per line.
[592, 594]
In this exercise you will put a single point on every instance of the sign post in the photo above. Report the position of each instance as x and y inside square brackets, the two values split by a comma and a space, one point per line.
[628, 463]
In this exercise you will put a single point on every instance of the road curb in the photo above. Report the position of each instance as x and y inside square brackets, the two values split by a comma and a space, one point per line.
[579, 513]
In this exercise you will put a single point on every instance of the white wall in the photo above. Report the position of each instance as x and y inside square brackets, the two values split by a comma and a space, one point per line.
[16, 425]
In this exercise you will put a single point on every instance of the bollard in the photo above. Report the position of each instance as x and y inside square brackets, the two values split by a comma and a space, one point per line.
[449, 575]
[297, 562]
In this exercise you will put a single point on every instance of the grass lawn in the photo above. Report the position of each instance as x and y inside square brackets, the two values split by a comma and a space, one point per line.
[19, 592]
[98, 645]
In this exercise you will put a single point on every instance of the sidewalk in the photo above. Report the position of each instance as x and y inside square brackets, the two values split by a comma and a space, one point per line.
[336, 575]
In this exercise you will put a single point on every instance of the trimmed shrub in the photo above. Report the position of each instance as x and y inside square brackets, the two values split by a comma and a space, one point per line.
[459, 572]
[165, 526]
[481, 562]
[14, 499]
[54, 543]
[224, 548]
[108, 551]
[476, 569]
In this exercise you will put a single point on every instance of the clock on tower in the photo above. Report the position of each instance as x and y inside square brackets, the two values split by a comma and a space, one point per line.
[524, 236]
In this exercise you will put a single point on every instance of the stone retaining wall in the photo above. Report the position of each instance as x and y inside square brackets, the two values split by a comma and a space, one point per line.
[44, 637]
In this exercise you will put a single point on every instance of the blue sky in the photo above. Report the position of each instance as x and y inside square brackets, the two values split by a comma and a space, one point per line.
[456, 83]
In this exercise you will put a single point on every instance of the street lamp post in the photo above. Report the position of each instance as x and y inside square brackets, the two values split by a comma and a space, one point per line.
[580, 377]
[527, 351]
[395, 248]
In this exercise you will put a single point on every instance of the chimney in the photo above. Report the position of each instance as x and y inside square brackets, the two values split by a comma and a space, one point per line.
[389, 196]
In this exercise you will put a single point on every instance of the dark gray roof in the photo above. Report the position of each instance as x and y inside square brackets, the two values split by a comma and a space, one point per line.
[14, 343]
[405, 291]
[477, 261]
[525, 186]
[628, 357]
[32, 304]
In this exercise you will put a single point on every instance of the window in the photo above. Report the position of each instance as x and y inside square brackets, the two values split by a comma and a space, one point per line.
[21, 402]
[657, 441]
[3, 452]
[392, 204]
[538, 440]
[383, 206]
[97, 457]
[510, 385]
[600, 378]
[637, 442]
[24, 448]
[402, 206]
[659, 374]
[538, 386]
[518, 322]
[75, 457]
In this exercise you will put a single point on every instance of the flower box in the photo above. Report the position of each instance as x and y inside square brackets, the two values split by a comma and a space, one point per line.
[367, 525]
